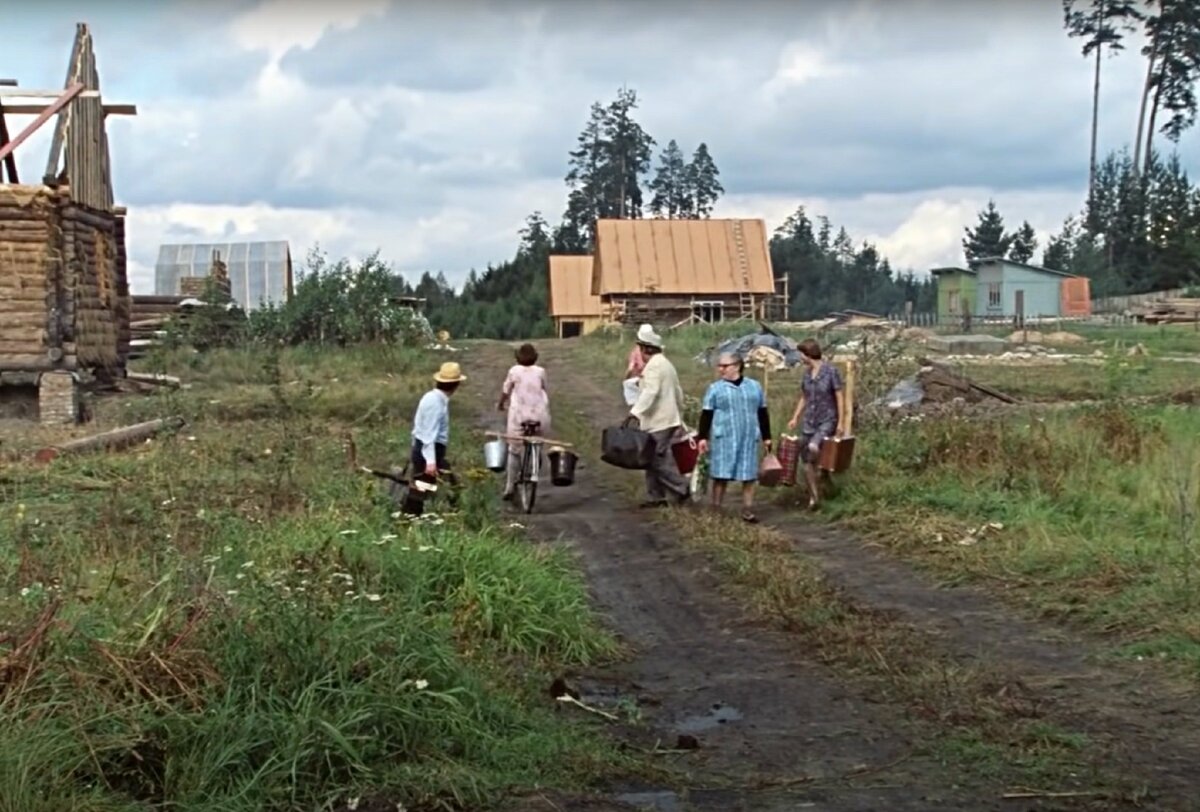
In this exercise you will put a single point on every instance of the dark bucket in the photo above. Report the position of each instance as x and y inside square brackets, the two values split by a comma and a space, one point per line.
[562, 467]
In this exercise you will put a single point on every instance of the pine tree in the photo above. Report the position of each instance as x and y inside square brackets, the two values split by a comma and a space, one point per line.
[670, 184]
[988, 238]
[627, 159]
[1173, 67]
[703, 187]
[1059, 251]
[585, 177]
[1100, 23]
[1024, 244]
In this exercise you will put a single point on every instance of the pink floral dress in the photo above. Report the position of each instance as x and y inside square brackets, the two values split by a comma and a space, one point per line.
[525, 388]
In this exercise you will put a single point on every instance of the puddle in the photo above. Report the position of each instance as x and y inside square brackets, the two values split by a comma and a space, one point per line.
[717, 715]
[664, 801]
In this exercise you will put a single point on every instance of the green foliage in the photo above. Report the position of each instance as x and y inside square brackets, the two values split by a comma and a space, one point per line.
[988, 238]
[339, 304]
[251, 628]
[825, 276]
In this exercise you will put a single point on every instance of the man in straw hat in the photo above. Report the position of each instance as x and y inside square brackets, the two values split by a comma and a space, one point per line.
[431, 424]
[658, 411]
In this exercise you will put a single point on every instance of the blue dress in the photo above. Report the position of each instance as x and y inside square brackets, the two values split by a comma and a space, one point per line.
[820, 417]
[733, 447]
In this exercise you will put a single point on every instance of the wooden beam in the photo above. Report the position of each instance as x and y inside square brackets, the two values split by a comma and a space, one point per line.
[62, 101]
[60, 126]
[34, 109]
[10, 162]
[24, 93]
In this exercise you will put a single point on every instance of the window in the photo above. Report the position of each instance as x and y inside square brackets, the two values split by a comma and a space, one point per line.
[708, 312]
[572, 329]
[952, 301]
[993, 294]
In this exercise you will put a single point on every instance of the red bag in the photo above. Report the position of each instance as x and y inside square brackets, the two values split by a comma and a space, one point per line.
[769, 471]
[686, 453]
[789, 459]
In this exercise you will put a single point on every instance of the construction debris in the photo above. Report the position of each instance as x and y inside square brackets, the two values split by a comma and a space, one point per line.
[937, 383]
[1169, 311]
[745, 345]
[111, 440]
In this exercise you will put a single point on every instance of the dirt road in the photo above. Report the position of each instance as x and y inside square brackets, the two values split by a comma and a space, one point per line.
[777, 730]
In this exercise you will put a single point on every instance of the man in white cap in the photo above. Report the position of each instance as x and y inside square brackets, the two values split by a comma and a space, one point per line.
[431, 424]
[658, 411]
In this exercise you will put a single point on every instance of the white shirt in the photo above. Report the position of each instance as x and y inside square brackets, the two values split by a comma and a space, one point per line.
[431, 425]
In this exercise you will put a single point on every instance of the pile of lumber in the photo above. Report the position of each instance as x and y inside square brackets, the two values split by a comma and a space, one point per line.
[941, 383]
[1169, 311]
[149, 318]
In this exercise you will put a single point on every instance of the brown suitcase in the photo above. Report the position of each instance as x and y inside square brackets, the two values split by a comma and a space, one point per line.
[836, 454]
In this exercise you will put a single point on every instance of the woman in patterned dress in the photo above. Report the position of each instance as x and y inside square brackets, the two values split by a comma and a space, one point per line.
[733, 421]
[525, 397]
[820, 412]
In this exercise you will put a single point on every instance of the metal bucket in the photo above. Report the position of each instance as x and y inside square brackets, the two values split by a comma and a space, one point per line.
[495, 455]
[562, 467]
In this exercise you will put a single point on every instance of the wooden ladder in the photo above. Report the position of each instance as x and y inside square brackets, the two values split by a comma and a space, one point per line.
[746, 297]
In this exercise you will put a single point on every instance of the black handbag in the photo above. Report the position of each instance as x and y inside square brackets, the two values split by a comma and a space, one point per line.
[627, 447]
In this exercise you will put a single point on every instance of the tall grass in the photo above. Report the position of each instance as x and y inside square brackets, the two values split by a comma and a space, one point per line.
[228, 619]
[1088, 512]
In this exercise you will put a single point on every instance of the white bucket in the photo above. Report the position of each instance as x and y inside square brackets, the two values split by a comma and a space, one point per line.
[495, 455]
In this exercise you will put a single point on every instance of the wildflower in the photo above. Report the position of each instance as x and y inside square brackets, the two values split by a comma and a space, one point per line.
[348, 592]
[231, 591]
[347, 532]
[421, 684]
[228, 549]
[352, 804]
[241, 575]
[247, 565]
[373, 598]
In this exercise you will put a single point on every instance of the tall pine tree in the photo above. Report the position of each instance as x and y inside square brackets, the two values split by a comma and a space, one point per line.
[1101, 24]
[703, 187]
[1024, 244]
[670, 185]
[1173, 67]
[988, 238]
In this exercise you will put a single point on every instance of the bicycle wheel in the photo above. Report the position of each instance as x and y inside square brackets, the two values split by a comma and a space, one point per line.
[527, 487]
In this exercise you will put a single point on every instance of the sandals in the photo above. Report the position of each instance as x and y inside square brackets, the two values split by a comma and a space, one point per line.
[749, 517]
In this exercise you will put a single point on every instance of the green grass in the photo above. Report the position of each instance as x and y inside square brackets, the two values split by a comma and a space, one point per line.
[1098, 503]
[231, 619]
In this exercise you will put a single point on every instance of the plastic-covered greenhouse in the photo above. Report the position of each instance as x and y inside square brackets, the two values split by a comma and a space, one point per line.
[259, 272]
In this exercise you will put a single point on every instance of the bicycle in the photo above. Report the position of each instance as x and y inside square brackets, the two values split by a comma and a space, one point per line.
[529, 473]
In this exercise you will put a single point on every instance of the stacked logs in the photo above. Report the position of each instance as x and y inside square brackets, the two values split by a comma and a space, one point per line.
[30, 270]
[63, 286]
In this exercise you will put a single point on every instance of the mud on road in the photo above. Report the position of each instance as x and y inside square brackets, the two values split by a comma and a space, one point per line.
[776, 728]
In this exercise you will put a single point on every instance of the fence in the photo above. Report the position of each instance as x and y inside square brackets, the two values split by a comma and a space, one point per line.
[1119, 304]
[935, 321]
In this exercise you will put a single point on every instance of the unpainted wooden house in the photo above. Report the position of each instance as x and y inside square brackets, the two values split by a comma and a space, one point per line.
[64, 290]
[575, 309]
[673, 272]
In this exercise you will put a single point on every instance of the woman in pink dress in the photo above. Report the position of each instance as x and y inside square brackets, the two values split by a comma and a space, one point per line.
[525, 397]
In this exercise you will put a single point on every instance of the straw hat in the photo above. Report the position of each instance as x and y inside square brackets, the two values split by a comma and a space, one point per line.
[647, 336]
[450, 372]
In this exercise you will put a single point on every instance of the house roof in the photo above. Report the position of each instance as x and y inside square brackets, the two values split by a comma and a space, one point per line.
[1038, 268]
[682, 257]
[951, 269]
[570, 278]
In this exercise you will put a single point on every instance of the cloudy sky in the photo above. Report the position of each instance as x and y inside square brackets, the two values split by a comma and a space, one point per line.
[430, 130]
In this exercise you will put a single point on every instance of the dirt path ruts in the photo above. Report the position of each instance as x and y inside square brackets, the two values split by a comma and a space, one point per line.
[698, 659]
[1152, 731]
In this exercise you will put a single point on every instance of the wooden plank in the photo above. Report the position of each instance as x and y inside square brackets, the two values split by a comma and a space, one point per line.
[25, 109]
[10, 163]
[62, 101]
[44, 94]
[60, 129]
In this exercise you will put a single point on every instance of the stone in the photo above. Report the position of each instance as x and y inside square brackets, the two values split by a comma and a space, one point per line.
[58, 399]
[968, 345]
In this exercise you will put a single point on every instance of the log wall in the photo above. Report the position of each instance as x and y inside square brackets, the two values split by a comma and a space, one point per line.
[63, 286]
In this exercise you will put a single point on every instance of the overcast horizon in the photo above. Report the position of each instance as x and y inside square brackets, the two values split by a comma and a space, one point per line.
[431, 132]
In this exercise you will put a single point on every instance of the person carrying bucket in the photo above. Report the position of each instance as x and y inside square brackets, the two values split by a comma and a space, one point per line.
[525, 397]
[431, 431]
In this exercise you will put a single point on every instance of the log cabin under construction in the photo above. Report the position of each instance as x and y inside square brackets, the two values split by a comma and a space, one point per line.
[64, 291]
[674, 272]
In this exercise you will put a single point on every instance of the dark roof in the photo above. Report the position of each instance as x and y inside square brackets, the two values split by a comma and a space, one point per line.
[1039, 268]
[952, 269]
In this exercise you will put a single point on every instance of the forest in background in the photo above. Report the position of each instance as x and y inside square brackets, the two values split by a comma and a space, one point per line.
[1138, 229]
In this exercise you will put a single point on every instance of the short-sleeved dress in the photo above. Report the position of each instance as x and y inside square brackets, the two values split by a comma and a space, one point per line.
[820, 416]
[528, 399]
[733, 446]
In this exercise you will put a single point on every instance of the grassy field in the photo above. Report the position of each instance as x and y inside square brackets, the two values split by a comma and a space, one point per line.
[228, 619]
[1088, 512]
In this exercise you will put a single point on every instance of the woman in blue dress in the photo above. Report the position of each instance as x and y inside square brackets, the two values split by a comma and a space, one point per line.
[820, 412]
[733, 421]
